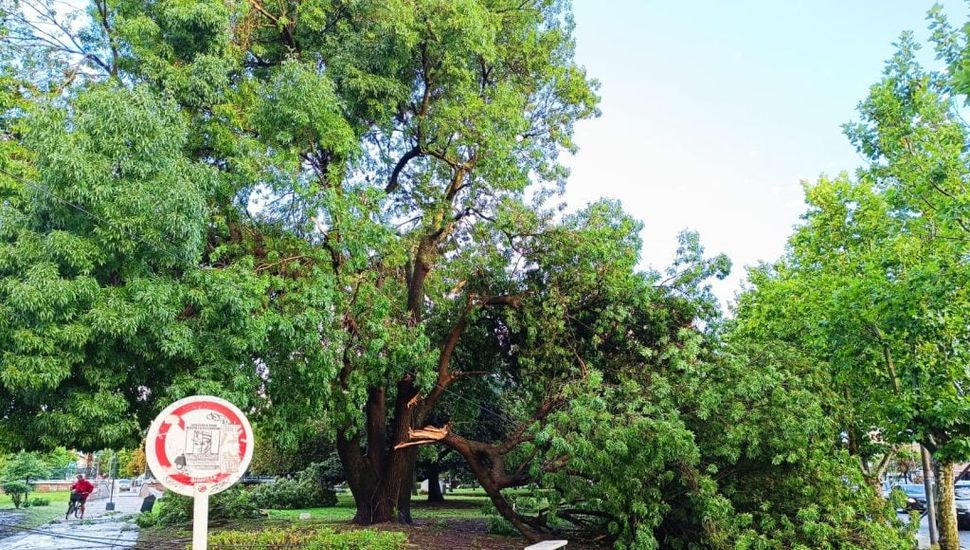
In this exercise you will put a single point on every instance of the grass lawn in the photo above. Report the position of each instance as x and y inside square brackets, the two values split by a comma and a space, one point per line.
[466, 504]
[39, 515]
[457, 523]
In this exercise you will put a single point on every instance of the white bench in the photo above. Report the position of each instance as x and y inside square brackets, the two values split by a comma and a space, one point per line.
[547, 545]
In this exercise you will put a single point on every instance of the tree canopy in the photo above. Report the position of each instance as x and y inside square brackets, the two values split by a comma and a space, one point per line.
[343, 216]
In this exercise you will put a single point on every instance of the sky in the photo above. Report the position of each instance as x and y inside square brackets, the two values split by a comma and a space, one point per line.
[713, 112]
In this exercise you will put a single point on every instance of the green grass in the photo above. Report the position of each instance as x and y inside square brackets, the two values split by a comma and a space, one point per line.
[39, 515]
[459, 505]
[462, 504]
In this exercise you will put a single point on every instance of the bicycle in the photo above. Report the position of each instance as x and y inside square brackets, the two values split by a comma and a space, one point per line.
[75, 506]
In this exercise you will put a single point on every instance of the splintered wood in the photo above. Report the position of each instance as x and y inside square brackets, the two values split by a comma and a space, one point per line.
[424, 436]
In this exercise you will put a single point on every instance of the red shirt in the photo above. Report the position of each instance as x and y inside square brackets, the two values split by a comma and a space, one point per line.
[83, 487]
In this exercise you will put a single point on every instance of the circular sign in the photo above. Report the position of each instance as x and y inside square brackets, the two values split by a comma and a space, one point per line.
[199, 445]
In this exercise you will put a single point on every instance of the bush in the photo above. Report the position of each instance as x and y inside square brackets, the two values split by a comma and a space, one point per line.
[313, 488]
[18, 491]
[322, 539]
[146, 519]
[497, 525]
[235, 503]
[38, 501]
[173, 509]
[358, 540]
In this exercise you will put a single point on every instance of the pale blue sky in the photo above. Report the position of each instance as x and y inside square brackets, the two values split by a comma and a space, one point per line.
[714, 111]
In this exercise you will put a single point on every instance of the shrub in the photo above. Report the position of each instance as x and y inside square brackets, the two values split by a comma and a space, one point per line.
[38, 501]
[17, 490]
[321, 539]
[357, 540]
[146, 519]
[173, 509]
[235, 503]
[311, 489]
[497, 525]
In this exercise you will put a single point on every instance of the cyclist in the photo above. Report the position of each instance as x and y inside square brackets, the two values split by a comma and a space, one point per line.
[80, 491]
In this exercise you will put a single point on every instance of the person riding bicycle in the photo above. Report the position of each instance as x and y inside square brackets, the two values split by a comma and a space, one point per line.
[80, 491]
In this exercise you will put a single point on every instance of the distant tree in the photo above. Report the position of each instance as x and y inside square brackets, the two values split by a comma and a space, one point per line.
[134, 463]
[906, 462]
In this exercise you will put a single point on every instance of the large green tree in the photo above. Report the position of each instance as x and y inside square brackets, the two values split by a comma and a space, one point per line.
[342, 214]
[874, 283]
[324, 195]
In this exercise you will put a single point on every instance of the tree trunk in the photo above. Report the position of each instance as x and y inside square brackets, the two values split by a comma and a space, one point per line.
[949, 536]
[930, 497]
[434, 484]
[381, 479]
[407, 488]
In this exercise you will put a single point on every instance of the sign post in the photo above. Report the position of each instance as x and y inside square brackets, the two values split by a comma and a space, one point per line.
[199, 446]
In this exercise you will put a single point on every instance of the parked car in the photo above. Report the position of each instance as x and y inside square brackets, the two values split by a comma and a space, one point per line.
[962, 495]
[124, 484]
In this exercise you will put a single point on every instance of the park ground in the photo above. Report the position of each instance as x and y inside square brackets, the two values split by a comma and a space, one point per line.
[458, 523]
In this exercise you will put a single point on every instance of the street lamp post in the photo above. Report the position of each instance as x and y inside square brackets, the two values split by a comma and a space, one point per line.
[113, 465]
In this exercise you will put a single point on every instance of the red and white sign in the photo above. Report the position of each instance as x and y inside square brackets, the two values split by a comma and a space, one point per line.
[199, 445]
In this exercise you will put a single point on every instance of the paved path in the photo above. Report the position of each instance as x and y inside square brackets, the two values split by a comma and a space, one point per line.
[103, 533]
[100, 529]
[923, 536]
[8, 519]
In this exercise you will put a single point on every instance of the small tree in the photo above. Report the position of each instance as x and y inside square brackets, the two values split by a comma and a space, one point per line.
[17, 490]
[22, 466]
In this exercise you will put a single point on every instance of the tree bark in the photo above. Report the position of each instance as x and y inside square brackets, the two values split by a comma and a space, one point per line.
[434, 484]
[407, 488]
[949, 535]
[375, 478]
[487, 462]
[930, 497]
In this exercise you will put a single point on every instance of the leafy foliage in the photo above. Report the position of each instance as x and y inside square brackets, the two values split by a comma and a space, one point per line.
[175, 509]
[313, 488]
[17, 490]
[24, 465]
[319, 539]
[341, 216]
[873, 286]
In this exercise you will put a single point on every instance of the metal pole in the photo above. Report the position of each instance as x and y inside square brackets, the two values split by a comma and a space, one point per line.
[200, 521]
[110, 506]
[930, 500]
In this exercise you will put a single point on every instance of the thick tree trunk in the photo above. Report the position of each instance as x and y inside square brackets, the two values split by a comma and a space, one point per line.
[407, 488]
[376, 478]
[482, 473]
[949, 535]
[434, 484]
[488, 464]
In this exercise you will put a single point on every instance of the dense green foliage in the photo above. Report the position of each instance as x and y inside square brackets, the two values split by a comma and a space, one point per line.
[175, 509]
[341, 215]
[873, 286]
[16, 474]
[312, 488]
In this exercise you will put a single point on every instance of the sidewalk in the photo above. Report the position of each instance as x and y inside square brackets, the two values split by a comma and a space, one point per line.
[100, 529]
[103, 533]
